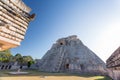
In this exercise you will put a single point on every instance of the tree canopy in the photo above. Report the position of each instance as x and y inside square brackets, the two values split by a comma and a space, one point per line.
[6, 56]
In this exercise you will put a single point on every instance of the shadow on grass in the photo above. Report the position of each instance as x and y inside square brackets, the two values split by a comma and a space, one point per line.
[5, 73]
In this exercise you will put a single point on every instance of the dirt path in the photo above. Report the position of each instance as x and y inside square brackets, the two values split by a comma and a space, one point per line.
[36, 75]
[50, 78]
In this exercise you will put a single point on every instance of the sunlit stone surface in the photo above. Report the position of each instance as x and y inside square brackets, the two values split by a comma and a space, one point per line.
[14, 20]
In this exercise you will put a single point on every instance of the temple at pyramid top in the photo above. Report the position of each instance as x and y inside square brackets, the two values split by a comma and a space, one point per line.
[14, 20]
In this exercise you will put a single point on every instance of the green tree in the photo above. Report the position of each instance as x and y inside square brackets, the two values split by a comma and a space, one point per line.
[5, 56]
[28, 60]
[18, 57]
[30, 63]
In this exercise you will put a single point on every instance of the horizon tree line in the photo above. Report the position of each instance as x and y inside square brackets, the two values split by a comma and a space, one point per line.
[6, 57]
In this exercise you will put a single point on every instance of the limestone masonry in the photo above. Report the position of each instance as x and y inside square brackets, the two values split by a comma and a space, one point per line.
[71, 55]
[113, 65]
[14, 20]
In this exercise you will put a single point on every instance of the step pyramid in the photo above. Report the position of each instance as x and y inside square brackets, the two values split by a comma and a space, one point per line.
[71, 55]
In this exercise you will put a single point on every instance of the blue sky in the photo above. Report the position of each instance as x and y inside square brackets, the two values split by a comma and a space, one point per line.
[95, 22]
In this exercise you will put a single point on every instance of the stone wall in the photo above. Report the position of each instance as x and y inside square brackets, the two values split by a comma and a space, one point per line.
[113, 65]
[114, 74]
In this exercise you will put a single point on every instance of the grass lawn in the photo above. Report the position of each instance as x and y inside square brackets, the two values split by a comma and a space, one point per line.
[36, 75]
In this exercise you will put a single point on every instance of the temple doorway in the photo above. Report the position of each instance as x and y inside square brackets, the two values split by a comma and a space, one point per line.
[10, 67]
[2, 67]
[67, 66]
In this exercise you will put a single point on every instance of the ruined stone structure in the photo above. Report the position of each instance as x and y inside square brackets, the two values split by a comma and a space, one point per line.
[71, 55]
[113, 65]
[36, 64]
[14, 19]
[9, 66]
[5, 66]
[12, 66]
